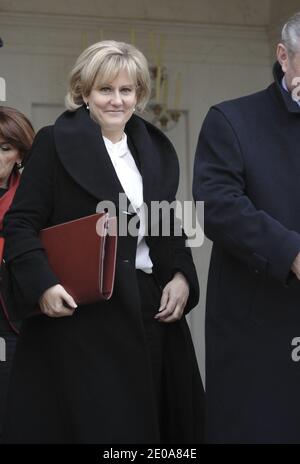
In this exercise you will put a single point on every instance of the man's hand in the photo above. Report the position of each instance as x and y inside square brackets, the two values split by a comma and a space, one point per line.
[296, 266]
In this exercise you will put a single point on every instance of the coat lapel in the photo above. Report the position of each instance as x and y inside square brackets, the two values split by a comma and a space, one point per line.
[83, 154]
[158, 160]
[145, 152]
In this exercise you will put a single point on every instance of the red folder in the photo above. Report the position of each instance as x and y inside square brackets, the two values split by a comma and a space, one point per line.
[82, 254]
[1, 248]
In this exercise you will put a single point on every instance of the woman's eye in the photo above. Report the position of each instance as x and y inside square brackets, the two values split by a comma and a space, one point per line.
[105, 89]
[108, 90]
[5, 147]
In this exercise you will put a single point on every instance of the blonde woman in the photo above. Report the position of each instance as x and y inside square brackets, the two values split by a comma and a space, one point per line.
[123, 370]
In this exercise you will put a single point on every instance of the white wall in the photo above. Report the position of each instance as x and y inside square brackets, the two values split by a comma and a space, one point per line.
[216, 62]
[239, 12]
[279, 13]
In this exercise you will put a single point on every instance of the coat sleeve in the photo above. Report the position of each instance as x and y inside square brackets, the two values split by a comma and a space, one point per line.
[183, 262]
[30, 212]
[170, 254]
[230, 217]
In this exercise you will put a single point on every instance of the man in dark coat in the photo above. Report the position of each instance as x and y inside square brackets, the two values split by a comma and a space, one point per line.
[247, 171]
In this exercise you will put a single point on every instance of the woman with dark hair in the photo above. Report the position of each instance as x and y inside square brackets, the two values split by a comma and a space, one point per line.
[16, 137]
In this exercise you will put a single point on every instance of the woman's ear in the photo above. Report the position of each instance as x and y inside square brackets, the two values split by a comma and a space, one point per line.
[86, 101]
[19, 161]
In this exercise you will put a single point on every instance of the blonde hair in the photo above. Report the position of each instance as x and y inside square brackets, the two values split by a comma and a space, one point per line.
[102, 62]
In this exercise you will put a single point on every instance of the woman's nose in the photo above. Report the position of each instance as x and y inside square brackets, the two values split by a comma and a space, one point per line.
[116, 98]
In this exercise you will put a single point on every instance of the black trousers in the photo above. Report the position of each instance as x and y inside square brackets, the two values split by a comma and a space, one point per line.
[150, 294]
[8, 341]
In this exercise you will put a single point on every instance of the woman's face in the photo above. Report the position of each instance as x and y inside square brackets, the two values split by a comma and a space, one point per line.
[112, 103]
[9, 156]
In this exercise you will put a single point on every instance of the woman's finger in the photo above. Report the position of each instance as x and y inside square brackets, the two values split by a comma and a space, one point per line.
[164, 299]
[59, 311]
[68, 300]
[168, 309]
[175, 316]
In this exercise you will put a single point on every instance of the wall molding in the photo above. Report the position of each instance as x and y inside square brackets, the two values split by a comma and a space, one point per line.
[185, 42]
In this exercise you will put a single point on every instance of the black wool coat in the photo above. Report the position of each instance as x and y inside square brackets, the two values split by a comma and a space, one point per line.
[86, 378]
[247, 170]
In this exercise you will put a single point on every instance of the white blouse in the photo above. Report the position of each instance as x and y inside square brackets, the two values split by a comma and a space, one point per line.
[132, 183]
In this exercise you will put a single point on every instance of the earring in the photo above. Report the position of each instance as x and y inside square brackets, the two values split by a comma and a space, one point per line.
[133, 110]
[87, 106]
[19, 165]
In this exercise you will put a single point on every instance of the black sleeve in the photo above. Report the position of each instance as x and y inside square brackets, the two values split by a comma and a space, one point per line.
[183, 262]
[30, 212]
[230, 217]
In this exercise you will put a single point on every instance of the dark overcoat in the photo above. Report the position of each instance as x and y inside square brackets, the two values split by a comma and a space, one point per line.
[247, 170]
[86, 378]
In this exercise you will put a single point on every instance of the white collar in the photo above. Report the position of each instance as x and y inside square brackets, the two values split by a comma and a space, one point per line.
[117, 149]
[284, 84]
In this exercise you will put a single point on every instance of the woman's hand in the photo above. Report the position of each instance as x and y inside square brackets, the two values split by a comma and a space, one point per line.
[56, 302]
[173, 300]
